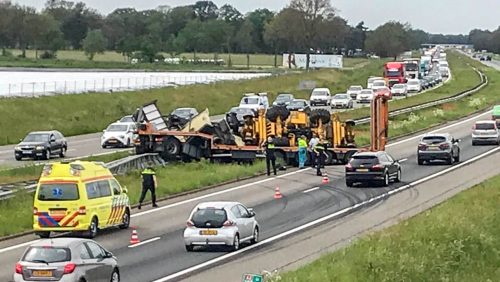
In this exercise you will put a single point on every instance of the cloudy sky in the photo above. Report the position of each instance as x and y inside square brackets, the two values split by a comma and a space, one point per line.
[436, 16]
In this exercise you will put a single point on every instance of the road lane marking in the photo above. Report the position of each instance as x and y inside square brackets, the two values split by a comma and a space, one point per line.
[17, 246]
[321, 220]
[403, 160]
[310, 190]
[217, 193]
[144, 242]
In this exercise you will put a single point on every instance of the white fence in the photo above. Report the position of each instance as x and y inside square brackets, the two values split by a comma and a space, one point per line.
[113, 84]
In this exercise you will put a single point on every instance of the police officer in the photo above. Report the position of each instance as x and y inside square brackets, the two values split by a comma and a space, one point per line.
[148, 183]
[302, 151]
[319, 151]
[269, 147]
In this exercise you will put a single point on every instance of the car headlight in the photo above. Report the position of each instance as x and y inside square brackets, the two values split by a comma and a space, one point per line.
[40, 147]
[17, 148]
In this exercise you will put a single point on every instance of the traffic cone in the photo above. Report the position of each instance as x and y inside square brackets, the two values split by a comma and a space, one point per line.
[277, 193]
[325, 179]
[135, 238]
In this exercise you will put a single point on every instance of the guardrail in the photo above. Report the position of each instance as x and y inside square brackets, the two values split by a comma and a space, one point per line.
[118, 167]
[458, 96]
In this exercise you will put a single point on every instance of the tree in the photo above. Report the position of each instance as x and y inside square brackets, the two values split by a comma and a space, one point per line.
[205, 10]
[259, 18]
[230, 14]
[7, 26]
[94, 43]
[178, 18]
[389, 39]
[311, 14]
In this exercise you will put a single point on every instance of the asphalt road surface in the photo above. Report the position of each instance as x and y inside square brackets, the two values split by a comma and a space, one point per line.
[302, 204]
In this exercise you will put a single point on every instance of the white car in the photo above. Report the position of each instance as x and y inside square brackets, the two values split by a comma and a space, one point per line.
[369, 83]
[485, 132]
[342, 101]
[118, 134]
[221, 224]
[444, 71]
[378, 84]
[255, 101]
[414, 85]
[354, 91]
[366, 96]
[399, 89]
[320, 97]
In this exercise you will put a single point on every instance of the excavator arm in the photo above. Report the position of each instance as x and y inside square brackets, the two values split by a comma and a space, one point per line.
[379, 126]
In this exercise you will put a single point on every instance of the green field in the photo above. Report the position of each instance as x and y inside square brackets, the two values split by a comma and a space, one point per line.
[171, 180]
[455, 241]
[111, 59]
[89, 113]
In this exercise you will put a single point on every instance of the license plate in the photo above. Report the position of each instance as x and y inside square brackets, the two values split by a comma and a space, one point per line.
[58, 212]
[42, 273]
[362, 169]
[112, 141]
[208, 232]
[28, 152]
[433, 148]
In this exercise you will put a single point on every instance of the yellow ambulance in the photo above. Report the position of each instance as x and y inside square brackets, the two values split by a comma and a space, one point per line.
[79, 196]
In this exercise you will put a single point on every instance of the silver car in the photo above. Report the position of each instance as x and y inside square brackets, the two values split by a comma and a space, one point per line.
[67, 259]
[485, 132]
[222, 224]
[342, 101]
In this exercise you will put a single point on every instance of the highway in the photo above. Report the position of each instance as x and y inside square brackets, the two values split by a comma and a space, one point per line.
[302, 204]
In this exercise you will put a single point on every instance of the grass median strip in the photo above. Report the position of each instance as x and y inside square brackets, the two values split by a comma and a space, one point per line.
[16, 212]
[455, 241]
[89, 113]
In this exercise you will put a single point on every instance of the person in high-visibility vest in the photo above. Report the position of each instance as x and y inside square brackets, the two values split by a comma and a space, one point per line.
[312, 143]
[302, 151]
[148, 183]
[319, 150]
[269, 148]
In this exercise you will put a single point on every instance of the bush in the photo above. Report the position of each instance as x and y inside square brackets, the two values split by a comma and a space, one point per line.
[48, 55]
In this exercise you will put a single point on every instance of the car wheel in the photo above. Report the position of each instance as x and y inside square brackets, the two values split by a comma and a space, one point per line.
[48, 154]
[43, 234]
[18, 158]
[420, 161]
[93, 227]
[104, 146]
[62, 154]
[449, 161]
[386, 180]
[457, 157]
[398, 176]
[125, 220]
[474, 143]
[255, 238]
[349, 183]
[115, 276]
[189, 248]
[236, 243]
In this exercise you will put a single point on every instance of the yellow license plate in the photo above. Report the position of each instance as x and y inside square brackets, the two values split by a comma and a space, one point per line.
[58, 212]
[362, 169]
[208, 232]
[42, 273]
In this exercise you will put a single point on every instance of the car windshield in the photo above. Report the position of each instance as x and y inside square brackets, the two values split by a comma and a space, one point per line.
[319, 93]
[392, 73]
[413, 82]
[250, 101]
[366, 92]
[117, 128]
[485, 126]
[283, 97]
[363, 160]
[58, 192]
[241, 111]
[209, 217]
[378, 83]
[355, 88]
[434, 139]
[371, 80]
[411, 67]
[398, 86]
[182, 112]
[127, 119]
[297, 103]
[36, 138]
[47, 254]
[340, 97]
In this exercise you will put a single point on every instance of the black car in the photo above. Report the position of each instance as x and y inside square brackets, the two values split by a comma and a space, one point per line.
[41, 145]
[180, 117]
[299, 105]
[239, 114]
[283, 100]
[372, 167]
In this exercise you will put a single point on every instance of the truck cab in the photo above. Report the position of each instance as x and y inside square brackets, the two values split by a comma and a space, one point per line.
[394, 73]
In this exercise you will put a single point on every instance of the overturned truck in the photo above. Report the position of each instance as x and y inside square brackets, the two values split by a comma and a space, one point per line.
[233, 142]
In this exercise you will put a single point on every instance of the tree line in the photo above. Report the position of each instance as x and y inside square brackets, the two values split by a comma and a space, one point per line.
[486, 40]
[303, 26]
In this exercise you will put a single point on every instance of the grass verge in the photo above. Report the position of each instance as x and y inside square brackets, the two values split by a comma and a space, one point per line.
[89, 113]
[32, 172]
[172, 180]
[450, 242]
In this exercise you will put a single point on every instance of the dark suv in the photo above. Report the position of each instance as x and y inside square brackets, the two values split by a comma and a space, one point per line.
[441, 147]
[372, 167]
[41, 145]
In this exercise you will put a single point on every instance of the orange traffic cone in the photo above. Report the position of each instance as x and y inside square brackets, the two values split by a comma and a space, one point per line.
[135, 238]
[277, 193]
[325, 179]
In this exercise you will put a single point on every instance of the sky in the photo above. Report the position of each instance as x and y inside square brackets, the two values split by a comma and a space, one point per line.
[434, 16]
